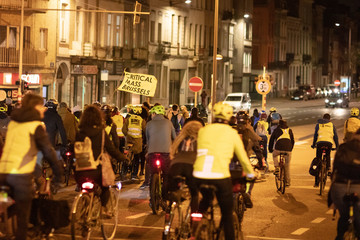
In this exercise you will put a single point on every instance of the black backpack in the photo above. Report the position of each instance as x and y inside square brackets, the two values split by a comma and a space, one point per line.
[315, 167]
[175, 122]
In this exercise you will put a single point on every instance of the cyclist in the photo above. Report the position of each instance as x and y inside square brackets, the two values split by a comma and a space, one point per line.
[352, 124]
[119, 121]
[273, 120]
[282, 141]
[26, 136]
[69, 122]
[133, 129]
[159, 135]
[217, 143]
[176, 118]
[346, 168]
[183, 155]
[54, 124]
[325, 136]
[195, 117]
[255, 117]
[110, 126]
[261, 129]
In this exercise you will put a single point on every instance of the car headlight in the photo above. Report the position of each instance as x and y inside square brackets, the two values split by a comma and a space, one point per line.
[301, 96]
[339, 101]
[326, 100]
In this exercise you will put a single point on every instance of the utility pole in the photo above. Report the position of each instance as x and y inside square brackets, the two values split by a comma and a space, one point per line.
[214, 76]
[21, 50]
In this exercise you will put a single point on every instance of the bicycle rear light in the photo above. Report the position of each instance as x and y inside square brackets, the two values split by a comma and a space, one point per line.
[118, 185]
[196, 217]
[157, 163]
[68, 153]
[87, 185]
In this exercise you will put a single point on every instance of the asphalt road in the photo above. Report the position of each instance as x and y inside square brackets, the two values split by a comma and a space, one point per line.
[300, 213]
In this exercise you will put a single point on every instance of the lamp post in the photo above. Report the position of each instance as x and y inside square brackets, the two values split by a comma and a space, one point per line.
[213, 83]
[21, 49]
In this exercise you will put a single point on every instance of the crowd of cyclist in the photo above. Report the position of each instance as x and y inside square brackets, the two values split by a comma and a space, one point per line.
[186, 146]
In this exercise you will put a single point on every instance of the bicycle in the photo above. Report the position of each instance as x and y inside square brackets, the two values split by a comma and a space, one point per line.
[7, 224]
[122, 168]
[177, 225]
[280, 179]
[206, 223]
[87, 213]
[323, 170]
[351, 199]
[156, 185]
[68, 157]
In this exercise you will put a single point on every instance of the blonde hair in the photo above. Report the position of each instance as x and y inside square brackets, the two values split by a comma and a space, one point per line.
[191, 130]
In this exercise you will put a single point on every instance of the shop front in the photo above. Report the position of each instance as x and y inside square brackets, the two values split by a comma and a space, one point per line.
[85, 84]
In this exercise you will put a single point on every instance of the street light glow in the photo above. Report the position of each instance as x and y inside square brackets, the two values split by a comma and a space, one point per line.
[188, 1]
[246, 15]
[219, 57]
[337, 24]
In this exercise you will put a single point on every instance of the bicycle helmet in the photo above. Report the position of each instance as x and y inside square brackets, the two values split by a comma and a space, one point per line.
[106, 108]
[272, 109]
[51, 103]
[97, 104]
[223, 111]
[242, 119]
[137, 110]
[354, 112]
[158, 109]
[3, 107]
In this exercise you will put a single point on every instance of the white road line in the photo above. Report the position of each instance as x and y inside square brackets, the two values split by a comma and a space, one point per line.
[137, 226]
[300, 231]
[330, 211]
[300, 142]
[300, 119]
[317, 220]
[79, 237]
[306, 118]
[138, 215]
[269, 238]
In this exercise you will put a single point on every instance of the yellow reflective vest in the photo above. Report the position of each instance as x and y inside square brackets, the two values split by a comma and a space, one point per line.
[285, 134]
[326, 132]
[119, 121]
[351, 125]
[19, 153]
[135, 126]
[216, 145]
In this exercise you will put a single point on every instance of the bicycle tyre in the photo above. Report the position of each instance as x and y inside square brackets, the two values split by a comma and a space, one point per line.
[282, 179]
[239, 206]
[322, 178]
[155, 197]
[109, 223]
[350, 233]
[277, 181]
[173, 225]
[205, 230]
[79, 216]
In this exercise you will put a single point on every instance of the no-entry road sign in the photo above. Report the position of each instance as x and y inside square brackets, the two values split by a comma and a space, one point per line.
[195, 84]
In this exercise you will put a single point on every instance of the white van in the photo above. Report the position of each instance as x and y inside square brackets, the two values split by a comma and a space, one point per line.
[239, 101]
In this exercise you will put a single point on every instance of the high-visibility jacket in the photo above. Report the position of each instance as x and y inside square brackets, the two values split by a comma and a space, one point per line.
[216, 145]
[108, 130]
[326, 132]
[285, 134]
[351, 125]
[119, 121]
[135, 126]
[19, 153]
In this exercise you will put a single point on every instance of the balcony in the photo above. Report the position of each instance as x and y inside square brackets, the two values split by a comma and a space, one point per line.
[140, 53]
[306, 58]
[117, 52]
[278, 65]
[290, 57]
[9, 57]
[12, 4]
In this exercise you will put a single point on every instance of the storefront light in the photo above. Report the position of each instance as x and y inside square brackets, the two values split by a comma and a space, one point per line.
[7, 78]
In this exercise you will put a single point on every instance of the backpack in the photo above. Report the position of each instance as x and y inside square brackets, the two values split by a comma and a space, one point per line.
[175, 122]
[260, 129]
[275, 117]
[84, 156]
[315, 167]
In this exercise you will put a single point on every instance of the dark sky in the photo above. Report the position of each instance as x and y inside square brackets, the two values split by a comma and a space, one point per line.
[354, 4]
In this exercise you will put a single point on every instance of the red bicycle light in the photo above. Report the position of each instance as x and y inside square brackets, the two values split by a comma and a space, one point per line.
[196, 217]
[157, 163]
[87, 185]
[68, 153]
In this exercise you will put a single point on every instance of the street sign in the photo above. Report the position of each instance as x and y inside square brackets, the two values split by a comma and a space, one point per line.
[195, 84]
[263, 86]
[337, 82]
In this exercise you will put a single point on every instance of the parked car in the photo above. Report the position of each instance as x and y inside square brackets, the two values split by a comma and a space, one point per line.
[337, 100]
[319, 93]
[310, 91]
[298, 95]
[239, 101]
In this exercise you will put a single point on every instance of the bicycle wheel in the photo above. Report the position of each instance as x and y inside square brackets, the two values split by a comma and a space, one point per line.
[239, 206]
[155, 194]
[173, 225]
[350, 233]
[282, 179]
[237, 229]
[277, 181]
[109, 216]
[322, 179]
[205, 230]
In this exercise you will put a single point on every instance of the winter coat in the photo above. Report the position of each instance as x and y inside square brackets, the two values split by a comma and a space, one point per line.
[137, 142]
[194, 118]
[69, 122]
[4, 122]
[282, 144]
[54, 126]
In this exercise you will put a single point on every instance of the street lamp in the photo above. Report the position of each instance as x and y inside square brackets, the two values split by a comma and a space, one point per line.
[246, 15]
[173, 3]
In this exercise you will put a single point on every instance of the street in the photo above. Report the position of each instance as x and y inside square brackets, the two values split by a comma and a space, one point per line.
[300, 213]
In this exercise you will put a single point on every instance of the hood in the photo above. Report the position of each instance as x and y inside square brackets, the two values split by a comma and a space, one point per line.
[25, 115]
[3, 115]
[90, 131]
[323, 121]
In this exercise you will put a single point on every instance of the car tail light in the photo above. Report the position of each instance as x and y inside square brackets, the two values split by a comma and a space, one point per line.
[196, 217]
[87, 185]
[157, 163]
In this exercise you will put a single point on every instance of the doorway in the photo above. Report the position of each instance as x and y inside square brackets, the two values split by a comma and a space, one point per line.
[174, 86]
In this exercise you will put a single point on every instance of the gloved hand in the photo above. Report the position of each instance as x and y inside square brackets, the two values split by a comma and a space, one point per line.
[250, 177]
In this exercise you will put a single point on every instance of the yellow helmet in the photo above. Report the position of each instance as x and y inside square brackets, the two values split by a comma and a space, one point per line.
[272, 109]
[137, 110]
[354, 112]
[223, 110]
[158, 109]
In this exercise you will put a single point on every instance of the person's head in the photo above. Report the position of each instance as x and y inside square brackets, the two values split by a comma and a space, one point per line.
[106, 109]
[175, 107]
[263, 115]
[137, 110]
[115, 110]
[283, 123]
[273, 109]
[256, 112]
[183, 108]
[232, 121]
[326, 116]
[146, 104]
[77, 108]
[92, 117]
[51, 104]
[222, 112]
[63, 105]
[354, 112]
[97, 104]
[242, 119]
[33, 101]
[157, 110]
[194, 112]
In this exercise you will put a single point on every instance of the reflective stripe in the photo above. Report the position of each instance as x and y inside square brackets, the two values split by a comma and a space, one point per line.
[208, 175]
[285, 134]
[134, 127]
[118, 120]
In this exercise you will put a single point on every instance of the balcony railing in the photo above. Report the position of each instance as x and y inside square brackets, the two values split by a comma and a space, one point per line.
[13, 3]
[9, 57]
[140, 53]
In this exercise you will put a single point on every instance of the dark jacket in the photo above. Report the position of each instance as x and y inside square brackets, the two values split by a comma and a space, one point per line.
[347, 160]
[194, 118]
[54, 125]
[95, 135]
[70, 123]
[281, 144]
[41, 139]
[114, 136]
[4, 122]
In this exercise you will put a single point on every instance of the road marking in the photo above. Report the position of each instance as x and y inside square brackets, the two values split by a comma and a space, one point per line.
[300, 119]
[306, 118]
[317, 220]
[137, 226]
[300, 231]
[330, 211]
[270, 238]
[300, 142]
[79, 237]
[138, 215]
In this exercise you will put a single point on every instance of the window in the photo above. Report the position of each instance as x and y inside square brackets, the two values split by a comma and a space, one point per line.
[247, 31]
[152, 31]
[184, 33]
[12, 37]
[190, 31]
[142, 30]
[159, 32]
[179, 31]
[109, 30]
[200, 37]
[88, 29]
[195, 36]
[26, 37]
[43, 38]
[63, 23]
[77, 24]
[205, 32]
[117, 31]
[172, 28]
[127, 31]
[3, 36]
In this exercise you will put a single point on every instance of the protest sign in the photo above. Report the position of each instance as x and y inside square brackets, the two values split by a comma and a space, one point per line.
[138, 83]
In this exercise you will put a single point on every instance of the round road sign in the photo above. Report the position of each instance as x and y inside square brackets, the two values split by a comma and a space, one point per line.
[195, 84]
[337, 82]
[263, 86]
